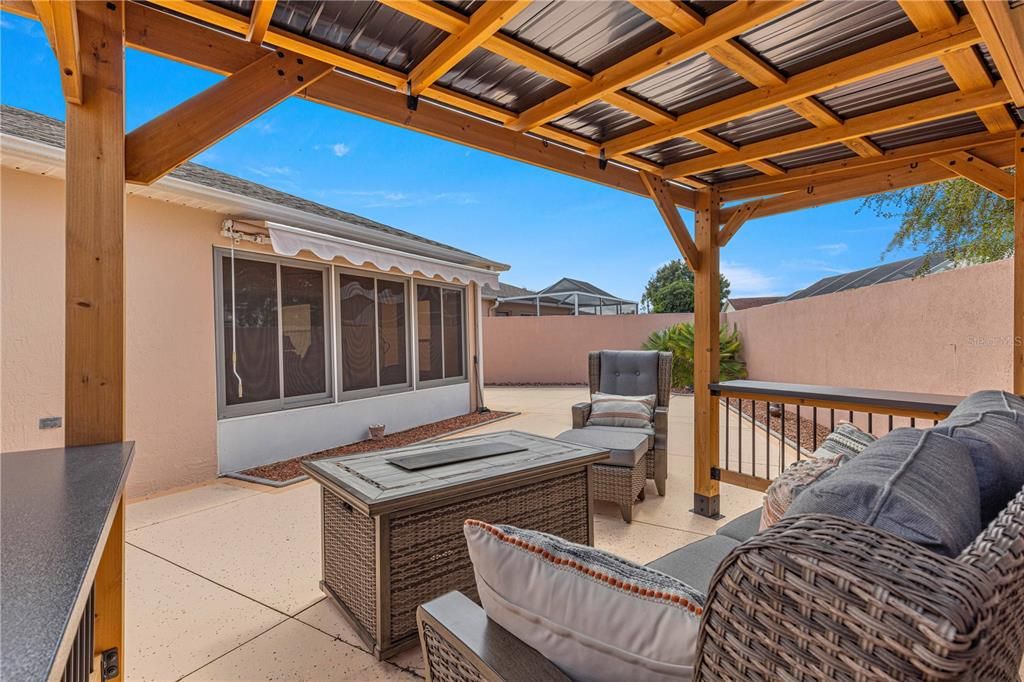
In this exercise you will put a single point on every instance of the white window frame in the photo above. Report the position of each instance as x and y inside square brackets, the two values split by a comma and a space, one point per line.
[224, 410]
[444, 381]
[411, 370]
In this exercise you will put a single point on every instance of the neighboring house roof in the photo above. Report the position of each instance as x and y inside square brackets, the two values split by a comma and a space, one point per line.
[887, 272]
[504, 291]
[753, 301]
[35, 127]
[569, 285]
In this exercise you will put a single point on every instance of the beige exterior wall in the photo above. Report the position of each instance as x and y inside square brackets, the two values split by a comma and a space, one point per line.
[944, 333]
[171, 380]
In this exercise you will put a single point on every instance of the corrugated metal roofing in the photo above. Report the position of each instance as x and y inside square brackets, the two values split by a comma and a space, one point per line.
[599, 121]
[496, 80]
[964, 124]
[761, 126]
[670, 151]
[891, 89]
[809, 157]
[690, 85]
[879, 274]
[727, 174]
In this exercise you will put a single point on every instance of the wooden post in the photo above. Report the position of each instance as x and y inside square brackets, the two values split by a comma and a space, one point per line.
[706, 320]
[1018, 266]
[94, 243]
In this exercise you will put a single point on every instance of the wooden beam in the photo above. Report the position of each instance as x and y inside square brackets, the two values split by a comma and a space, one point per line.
[1018, 266]
[706, 321]
[978, 171]
[801, 178]
[965, 67]
[720, 26]
[906, 174]
[163, 34]
[155, 148]
[931, 109]
[887, 57]
[1002, 28]
[483, 23]
[736, 221]
[94, 329]
[259, 20]
[60, 23]
[662, 196]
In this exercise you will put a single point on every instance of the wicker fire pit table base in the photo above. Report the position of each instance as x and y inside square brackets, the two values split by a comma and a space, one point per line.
[392, 520]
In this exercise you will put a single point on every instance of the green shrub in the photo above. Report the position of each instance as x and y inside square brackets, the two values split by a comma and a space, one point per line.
[678, 340]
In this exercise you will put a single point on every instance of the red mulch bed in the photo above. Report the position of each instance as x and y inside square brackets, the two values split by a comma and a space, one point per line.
[289, 469]
[806, 425]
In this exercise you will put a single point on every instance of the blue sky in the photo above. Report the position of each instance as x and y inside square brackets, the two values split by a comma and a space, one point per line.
[544, 224]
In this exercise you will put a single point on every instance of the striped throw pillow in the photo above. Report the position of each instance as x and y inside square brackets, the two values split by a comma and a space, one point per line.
[636, 411]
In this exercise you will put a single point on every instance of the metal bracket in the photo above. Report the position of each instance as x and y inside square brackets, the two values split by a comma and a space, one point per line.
[110, 664]
[411, 101]
[716, 474]
[602, 161]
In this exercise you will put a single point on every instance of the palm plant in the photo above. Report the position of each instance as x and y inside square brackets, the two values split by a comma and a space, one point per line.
[679, 340]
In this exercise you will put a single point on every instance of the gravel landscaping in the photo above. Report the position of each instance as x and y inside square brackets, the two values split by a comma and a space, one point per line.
[775, 425]
[290, 468]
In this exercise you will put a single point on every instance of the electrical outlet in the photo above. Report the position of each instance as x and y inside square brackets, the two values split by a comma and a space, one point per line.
[49, 422]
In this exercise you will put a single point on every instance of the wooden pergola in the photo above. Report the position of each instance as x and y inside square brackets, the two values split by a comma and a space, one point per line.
[734, 110]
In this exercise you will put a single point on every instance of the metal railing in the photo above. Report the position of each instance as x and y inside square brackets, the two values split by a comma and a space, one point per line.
[766, 426]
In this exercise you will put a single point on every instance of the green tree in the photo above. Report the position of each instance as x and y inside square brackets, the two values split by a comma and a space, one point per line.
[955, 219]
[670, 289]
[679, 340]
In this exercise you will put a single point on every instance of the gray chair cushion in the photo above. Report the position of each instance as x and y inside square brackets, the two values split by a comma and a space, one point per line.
[629, 372]
[996, 446]
[695, 563]
[919, 485]
[646, 430]
[624, 448]
[999, 402]
[743, 527]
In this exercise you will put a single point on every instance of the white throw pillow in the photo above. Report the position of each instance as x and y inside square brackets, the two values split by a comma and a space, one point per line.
[594, 615]
[634, 411]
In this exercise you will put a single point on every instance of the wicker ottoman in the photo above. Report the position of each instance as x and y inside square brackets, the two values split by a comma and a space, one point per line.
[620, 478]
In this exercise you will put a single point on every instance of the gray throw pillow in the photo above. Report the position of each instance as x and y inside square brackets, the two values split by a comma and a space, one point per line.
[919, 485]
[845, 443]
[999, 402]
[996, 447]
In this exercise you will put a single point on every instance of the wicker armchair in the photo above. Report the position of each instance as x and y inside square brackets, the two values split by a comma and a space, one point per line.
[814, 597]
[657, 456]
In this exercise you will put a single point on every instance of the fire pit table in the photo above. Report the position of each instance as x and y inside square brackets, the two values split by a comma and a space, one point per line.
[392, 519]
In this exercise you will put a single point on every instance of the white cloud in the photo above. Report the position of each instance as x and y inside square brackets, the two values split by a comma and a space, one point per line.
[832, 249]
[340, 150]
[747, 281]
[398, 199]
[272, 171]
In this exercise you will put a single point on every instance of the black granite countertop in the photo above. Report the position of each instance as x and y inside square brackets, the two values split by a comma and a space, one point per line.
[56, 507]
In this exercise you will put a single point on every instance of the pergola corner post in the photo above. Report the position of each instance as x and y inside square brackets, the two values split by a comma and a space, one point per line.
[94, 284]
[706, 321]
[1018, 265]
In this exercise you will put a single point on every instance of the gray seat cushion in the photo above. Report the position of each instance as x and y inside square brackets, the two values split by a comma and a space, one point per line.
[695, 563]
[742, 527]
[996, 446]
[629, 372]
[919, 485]
[1000, 402]
[625, 448]
[648, 431]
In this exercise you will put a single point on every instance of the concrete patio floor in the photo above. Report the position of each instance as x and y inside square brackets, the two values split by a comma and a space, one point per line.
[222, 578]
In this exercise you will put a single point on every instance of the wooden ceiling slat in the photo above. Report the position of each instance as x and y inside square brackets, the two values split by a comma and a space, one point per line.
[259, 20]
[1003, 31]
[887, 57]
[922, 111]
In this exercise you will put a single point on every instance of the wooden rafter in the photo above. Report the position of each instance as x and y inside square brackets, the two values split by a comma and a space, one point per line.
[922, 111]
[259, 20]
[721, 26]
[882, 179]
[978, 171]
[845, 169]
[1002, 28]
[893, 55]
[662, 196]
[165, 35]
[482, 24]
[679, 18]
[736, 220]
[60, 23]
[161, 145]
[966, 67]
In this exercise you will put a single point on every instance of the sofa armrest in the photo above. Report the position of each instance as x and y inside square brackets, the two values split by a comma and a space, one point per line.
[580, 415]
[661, 429]
[819, 597]
[460, 643]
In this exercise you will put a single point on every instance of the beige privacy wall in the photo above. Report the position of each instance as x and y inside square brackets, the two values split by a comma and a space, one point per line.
[945, 333]
[170, 367]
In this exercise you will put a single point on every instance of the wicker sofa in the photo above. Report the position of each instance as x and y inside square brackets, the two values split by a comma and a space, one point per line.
[813, 597]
